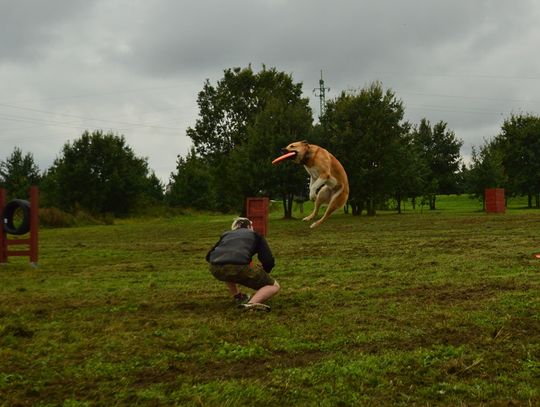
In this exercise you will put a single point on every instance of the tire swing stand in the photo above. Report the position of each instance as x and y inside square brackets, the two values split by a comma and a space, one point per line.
[30, 225]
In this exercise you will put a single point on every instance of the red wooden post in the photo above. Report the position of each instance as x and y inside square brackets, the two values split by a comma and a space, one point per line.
[3, 237]
[494, 200]
[34, 224]
[257, 212]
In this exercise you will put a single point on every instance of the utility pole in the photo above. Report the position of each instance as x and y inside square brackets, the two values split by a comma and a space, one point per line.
[322, 92]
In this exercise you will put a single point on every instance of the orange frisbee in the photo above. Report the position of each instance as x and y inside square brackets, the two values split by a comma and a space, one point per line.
[284, 157]
[537, 255]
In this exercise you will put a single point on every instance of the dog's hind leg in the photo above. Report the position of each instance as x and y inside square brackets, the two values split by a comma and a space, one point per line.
[323, 197]
[337, 201]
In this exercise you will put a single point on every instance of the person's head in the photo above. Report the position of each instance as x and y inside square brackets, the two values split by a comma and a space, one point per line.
[241, 223]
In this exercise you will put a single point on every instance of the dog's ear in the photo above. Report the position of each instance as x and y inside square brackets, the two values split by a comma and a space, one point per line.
[305, 142]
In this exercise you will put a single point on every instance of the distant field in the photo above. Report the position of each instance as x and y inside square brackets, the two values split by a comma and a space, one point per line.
[444, 204]
[423, 308]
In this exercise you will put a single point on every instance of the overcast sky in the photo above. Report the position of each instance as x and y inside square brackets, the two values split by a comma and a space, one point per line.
[135, 67]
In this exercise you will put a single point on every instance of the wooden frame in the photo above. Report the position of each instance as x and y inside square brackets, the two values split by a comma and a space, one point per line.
[32, 241]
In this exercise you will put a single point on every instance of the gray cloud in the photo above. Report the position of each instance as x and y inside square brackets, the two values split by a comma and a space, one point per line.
[135, 67]
[29, 27]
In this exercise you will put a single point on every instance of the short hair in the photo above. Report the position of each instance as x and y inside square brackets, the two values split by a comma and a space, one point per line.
[241, 223]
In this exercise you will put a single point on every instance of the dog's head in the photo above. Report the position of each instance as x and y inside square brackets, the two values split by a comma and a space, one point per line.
[301, 148]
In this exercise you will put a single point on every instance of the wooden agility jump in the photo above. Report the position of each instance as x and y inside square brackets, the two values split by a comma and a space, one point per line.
[6, 243]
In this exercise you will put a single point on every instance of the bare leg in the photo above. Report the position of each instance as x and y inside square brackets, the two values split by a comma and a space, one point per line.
[265, 293]
[233, 288]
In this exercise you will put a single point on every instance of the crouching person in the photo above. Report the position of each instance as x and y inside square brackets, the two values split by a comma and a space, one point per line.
[231, 261]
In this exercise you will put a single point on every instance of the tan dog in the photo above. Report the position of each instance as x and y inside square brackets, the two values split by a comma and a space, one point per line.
[326, 173]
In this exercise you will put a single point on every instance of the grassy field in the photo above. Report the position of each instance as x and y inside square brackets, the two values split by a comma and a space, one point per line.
[431, 308]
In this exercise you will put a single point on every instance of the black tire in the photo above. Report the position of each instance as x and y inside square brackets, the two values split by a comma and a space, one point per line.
[9, 212]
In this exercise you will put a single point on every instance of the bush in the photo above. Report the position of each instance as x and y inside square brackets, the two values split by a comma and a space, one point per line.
[54, 217]
[57, 218]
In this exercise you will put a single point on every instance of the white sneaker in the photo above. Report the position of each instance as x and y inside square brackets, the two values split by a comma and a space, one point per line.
[256, 306]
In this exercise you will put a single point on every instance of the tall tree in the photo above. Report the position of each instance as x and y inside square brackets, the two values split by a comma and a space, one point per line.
[485, 171]
[225, 111]
[18, 172]
[191, 184]
[407, 171]
[278, 124]
[366, 132]
[440, 149]
[100, 173]
[519, 142]
[231, 113]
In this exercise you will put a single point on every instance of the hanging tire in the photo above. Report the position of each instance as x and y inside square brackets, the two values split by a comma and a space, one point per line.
[8, 214]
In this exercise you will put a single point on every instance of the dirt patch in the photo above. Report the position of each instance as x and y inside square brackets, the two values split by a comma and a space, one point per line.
[16, 330]
[227, 370]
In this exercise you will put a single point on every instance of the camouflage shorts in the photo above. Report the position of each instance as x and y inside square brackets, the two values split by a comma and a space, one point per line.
[252, 277]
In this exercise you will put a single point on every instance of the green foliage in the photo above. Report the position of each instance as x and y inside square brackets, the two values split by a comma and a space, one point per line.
[243, 122]
[440, 150]
[191, 185]
[247, 117]
[408, 172]
[519, 145]
[280, 122]
[225, 111]
[18, 173]
[486, 170]
[100, 174]
[366, 132]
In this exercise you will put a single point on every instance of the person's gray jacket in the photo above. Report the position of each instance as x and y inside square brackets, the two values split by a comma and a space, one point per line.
[239, 246]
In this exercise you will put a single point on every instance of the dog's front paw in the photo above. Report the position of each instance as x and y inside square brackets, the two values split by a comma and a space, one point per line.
[314, 225]
[308, 218]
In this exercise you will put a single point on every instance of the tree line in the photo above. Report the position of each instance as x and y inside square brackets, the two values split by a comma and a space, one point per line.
[246, 117]
[98, 173]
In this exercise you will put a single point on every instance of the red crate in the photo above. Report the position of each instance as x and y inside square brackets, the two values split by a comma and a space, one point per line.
[257, 212]
[495, 202]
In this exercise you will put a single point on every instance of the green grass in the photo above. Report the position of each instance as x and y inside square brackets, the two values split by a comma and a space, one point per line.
[431, 308]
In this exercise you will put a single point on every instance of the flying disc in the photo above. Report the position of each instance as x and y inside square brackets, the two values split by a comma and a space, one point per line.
[284, 157]
[537, 255]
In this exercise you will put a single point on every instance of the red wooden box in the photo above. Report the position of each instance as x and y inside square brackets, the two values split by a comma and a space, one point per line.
[494, 200]
[257, 212]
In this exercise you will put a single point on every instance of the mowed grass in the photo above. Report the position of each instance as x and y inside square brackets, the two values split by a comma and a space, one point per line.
[430, 308]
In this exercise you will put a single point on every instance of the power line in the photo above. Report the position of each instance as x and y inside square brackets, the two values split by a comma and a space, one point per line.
[470, 97]
[108, 93]
[457, 75]
[453, 110]
[71, 124]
